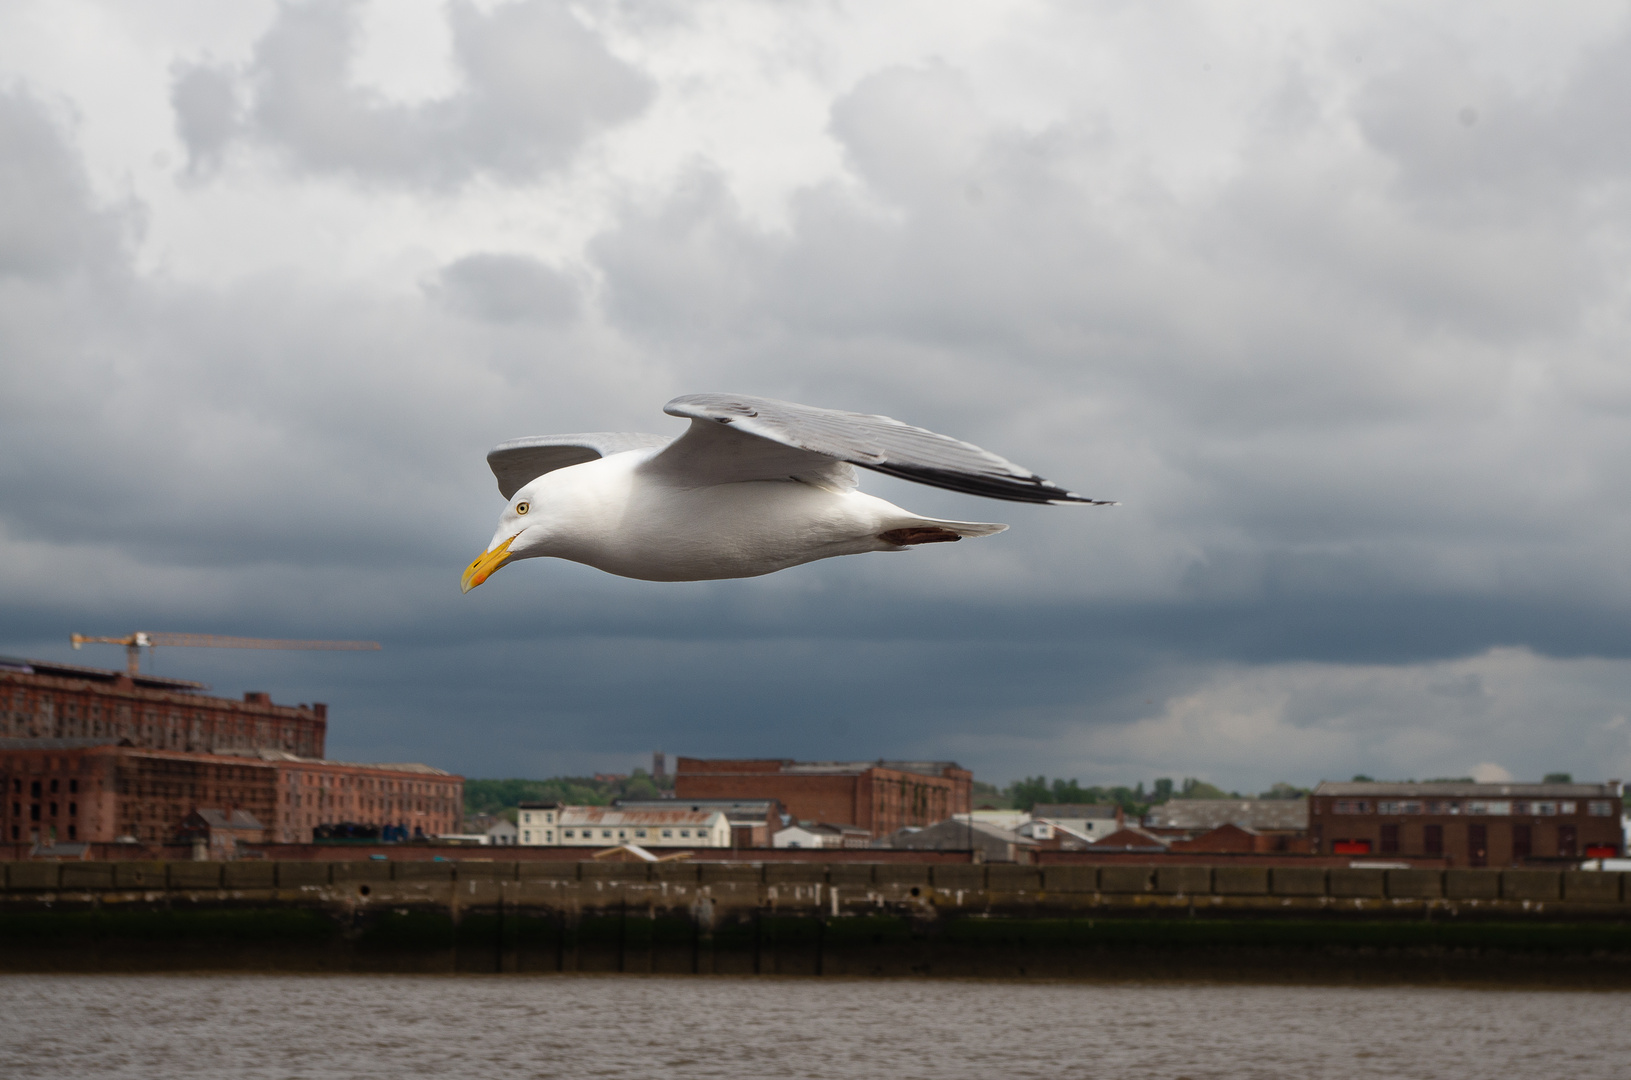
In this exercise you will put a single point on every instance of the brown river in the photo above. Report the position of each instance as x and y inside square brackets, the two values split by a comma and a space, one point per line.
[496, 1028]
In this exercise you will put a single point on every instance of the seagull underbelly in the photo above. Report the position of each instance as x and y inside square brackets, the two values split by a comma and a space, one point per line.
[739, 530]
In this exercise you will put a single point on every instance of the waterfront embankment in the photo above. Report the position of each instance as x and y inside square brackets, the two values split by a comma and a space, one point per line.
[1566, 928]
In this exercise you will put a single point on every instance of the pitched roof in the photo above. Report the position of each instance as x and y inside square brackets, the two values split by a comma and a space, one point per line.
[827, 827]
[1273, 814]
[1130, 838]
[1075, 811]
[953, 832]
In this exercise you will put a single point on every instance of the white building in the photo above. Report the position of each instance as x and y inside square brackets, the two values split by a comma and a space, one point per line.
[553, 825]
[815, 834]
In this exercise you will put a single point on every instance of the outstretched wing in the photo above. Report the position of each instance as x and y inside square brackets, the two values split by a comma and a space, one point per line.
[520, 461]
[771, 439]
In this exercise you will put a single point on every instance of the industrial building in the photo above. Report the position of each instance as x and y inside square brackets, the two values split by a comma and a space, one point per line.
[817, 834]
[544, 824]
[879, 796]
[753, 821]
[1467, 824]
[42, 700]
[100, 756]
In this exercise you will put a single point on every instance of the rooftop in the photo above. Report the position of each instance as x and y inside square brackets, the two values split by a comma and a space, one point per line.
[1130, 838]
[77, 671]
[605, 815]
[1454, 789]
[924, 768]
[1075, 811]
[1272, 814]
[268, 754]
[756, 806]
[787, 766]
[835, 830]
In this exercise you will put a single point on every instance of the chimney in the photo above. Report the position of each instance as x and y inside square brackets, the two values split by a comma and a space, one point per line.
[659, 765]
[257, 697]
[320, 710]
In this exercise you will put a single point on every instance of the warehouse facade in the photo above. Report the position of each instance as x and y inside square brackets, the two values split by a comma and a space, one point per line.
[545, 824]
[1467, 824]
[142, 755]
[879, 796]
[40, 700]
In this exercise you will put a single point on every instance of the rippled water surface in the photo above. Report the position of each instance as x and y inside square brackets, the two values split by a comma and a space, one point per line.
[502, 1027]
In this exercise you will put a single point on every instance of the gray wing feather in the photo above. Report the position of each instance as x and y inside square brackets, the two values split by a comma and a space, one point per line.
[520, 461]
[875, 442]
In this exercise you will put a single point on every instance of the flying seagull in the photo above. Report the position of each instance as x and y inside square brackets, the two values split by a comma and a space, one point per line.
[753, 486]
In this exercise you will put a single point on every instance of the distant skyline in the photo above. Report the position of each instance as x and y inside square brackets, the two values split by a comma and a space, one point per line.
[1330, 297]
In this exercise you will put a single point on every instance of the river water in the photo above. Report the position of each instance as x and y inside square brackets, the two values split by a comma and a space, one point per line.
[496, 1028]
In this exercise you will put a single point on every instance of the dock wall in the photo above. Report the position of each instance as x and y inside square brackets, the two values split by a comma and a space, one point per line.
[1320, 924]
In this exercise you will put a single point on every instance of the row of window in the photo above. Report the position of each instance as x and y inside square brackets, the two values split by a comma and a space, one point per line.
[34, 810]
[1565, 843]
[1492, 807]
[34, 789]
[639, 834]
[606, 834]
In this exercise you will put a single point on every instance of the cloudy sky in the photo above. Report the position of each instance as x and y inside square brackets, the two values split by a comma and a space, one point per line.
[1333, 298]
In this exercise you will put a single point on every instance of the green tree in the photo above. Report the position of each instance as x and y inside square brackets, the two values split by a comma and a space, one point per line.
[1195, 788]
[495, 796]
[1558, 778]
[1026, 793]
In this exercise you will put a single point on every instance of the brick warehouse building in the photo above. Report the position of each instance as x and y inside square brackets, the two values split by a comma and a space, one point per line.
[1467, 824]
[879, 796]
[40, 700]
[103, 757]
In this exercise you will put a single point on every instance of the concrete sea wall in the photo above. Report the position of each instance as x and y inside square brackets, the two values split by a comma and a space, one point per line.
[1567, 928]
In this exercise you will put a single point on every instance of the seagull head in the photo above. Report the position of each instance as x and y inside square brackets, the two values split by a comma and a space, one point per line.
[522, 531]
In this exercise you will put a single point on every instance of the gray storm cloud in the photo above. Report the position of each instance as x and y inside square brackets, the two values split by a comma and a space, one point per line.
[1357, 378]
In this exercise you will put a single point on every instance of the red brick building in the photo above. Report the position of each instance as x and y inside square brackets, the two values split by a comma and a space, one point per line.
[97, 756]
[879, 796]
[418, 799]
[1467, 824]
[41, 700]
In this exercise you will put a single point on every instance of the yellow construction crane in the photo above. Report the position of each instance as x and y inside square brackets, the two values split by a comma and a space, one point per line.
[135, 643]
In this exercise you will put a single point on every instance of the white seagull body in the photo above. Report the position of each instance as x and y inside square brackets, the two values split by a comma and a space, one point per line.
[754, 486]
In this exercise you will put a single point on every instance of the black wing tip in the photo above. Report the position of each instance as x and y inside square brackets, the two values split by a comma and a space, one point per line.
[1033, 489]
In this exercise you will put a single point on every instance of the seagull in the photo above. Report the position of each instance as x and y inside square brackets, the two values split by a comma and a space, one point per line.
[753, 486]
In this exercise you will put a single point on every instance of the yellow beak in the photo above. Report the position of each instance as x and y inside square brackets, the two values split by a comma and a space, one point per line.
[488, 561]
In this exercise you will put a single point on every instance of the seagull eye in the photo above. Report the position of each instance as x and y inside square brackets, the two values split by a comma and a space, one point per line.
[521, 508]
